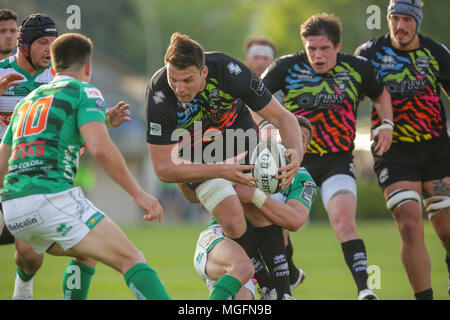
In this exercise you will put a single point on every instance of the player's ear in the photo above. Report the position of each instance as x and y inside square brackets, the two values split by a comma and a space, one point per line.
[88, 68]
[339, 46]
[204, 71]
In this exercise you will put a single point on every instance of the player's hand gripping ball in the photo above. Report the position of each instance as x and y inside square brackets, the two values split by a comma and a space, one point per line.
[267, 158]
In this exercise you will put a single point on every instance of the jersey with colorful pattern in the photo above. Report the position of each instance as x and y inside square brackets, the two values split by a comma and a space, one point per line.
[45, 138]
[14, 94]
[412, 78]
[328, 100]
[229, 85]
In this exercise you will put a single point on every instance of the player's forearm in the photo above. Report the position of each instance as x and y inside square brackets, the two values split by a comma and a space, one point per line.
[383, 106]
[5, 152]
[187, 172]
[290, 133]
[284, 215]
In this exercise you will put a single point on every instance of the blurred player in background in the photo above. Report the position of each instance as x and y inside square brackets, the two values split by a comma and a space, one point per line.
[8, 32]
[413, 68]
[325, 86]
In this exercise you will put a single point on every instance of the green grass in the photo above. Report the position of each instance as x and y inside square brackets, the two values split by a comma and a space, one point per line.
[169, 249]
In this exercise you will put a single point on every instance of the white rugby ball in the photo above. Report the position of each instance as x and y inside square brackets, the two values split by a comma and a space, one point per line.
[267, 158]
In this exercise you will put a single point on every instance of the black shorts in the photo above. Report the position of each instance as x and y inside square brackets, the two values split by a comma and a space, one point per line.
[244, 122]
[321, 167]
[419, 161]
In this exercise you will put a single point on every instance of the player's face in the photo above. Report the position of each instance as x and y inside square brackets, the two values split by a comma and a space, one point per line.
[402, 29]
[186, 83]
[8, 36]
[40, 52]
[305, 138]
[321, 52]
[258, 63]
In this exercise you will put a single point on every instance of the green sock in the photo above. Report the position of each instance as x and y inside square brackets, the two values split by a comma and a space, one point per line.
[25, 277]
[225, 288]
[144, 283]
[77, 280]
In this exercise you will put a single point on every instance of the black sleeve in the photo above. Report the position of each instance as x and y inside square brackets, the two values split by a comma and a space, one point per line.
[444, 67]
[372, 84]
[244, 84]
[161, 116]
[273, 77]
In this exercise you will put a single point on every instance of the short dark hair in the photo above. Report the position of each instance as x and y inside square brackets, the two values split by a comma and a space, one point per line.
[8, 14]
[305, 123]
[258, 40]
[70, 50]
[322, 24]
[183, 52]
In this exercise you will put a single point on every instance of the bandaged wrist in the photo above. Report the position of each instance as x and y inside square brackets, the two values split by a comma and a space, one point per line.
[108, 122]
[388, 122]
[259, 198]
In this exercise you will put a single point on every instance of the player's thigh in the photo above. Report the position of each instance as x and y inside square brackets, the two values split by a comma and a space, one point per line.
[226, 257]
[106, 243]
[437, 187]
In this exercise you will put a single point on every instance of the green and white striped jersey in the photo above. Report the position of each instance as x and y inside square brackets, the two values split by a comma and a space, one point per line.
[16, 93]
[45, 138]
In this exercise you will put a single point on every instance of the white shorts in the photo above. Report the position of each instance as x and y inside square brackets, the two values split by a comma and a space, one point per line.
[334, 184]
[43, 219]
[205, 243]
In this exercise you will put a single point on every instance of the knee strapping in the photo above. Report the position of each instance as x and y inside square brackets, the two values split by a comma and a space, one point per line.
[401, 196]
[433, 205]
[212, 192]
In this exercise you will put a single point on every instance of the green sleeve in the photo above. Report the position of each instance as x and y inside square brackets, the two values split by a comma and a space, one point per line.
[91, 107]
[7, 137]
[303, 188]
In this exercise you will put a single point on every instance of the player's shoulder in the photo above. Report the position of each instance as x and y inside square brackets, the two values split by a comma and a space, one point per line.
[7, 62]
[435, 47]
[290, 59]
[368, 48]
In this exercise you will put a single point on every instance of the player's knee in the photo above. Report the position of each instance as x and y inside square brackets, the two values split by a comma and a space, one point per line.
[28, 260]
[343, 222]
[411, 230]
[243, 271]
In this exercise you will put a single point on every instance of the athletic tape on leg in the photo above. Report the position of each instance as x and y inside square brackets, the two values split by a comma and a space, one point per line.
[212, 192]
[401, 196]
[434, 204]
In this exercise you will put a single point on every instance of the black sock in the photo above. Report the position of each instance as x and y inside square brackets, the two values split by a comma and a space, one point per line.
[271, 245]
[293, 271]
[248, 242]
[356, 259]
[424, 295]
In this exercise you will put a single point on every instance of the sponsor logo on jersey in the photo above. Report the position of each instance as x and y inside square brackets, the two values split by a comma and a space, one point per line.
[234, 68]
[22, 150]
[93, 93]
[159, 97]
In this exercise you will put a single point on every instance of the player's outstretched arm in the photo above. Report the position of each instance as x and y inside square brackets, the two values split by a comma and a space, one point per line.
[106, 153]
[290, 215]
[171, 169]
[118, 114]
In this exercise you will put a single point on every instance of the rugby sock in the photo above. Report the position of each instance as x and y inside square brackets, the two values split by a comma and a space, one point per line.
[293, 270]
[23, 286]
[424, 295]
[144, 283]
[76, 281]
[225, 288]
[271, 245]
[356, 259]
[248, 242]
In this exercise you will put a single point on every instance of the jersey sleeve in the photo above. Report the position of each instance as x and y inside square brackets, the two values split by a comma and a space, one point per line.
[244, 84]
[161, 116]
[303, 188]
[444, 66]
[273, 76]
[91, 106]
[372, 84]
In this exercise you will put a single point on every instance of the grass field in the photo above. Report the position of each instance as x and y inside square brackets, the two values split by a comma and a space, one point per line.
[169, 249]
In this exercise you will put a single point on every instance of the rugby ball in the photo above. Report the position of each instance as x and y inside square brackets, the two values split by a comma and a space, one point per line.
[267, 158]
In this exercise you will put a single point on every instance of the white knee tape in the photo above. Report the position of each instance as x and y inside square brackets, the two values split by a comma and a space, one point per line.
[212, 192]
[401, 196]
[436, 203]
